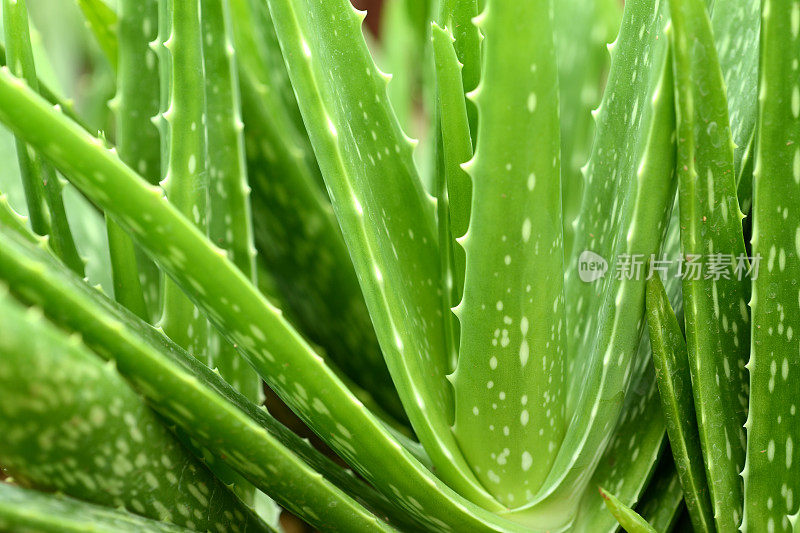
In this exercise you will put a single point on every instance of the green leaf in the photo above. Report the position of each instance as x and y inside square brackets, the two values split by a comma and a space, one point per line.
[71, 423]
[183, 121]
[28, 510]
[626, 204]
[627, 517]
[102, 20]
[675, 388]
[771, 480]
[389, 229]
[717, 319]
[278, 353]
[510, 378]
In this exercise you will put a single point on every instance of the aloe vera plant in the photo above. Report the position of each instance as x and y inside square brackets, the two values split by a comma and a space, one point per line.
[478, 332]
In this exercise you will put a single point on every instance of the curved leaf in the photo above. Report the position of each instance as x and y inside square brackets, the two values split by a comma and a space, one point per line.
[509, 381]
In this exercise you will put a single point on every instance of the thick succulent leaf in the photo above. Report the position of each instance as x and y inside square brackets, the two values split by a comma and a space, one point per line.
[661, 503]
[386, 217]
[42, 187]
[455, 149]
[717, 319]
[179, 387]
[509, 381]
[771, 480]
[136, 282]
[675, 389]
[626, 204]
[31, 511]
[582, 31]
[236, 308]
[70, 423]
[297, 235]
[102, 20]
[186, 182]
[627, 517]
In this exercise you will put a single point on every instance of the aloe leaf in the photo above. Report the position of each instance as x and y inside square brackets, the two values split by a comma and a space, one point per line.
[102, 20]
[675, 388]
[771, 483]
[456, 16]
[455, 149]
[358, 140]
[186, 180]
[70, 423]
[626, 204]
[28, 510]
[627, 517]
[510, 374]
[42, 186]
[178, 386]
[717, 319]
[661, 503]
[582, 31]
[282, 358]
[297, 235]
